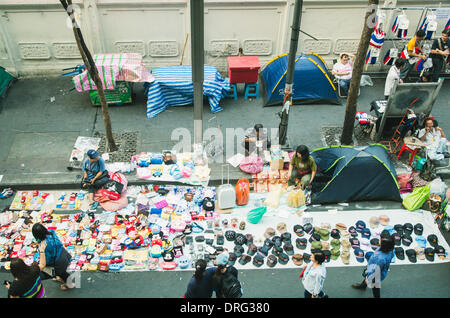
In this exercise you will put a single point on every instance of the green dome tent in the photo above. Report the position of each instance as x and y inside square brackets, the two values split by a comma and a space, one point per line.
[355, 174]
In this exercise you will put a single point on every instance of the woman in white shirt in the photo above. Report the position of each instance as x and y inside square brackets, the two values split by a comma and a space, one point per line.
[343, 70]
[393, 75]
[314, 276]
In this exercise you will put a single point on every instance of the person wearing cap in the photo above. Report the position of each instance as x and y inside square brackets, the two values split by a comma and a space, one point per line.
[302, 168]
[343, 70]
[95, 175]
[256, 138]
[201, 283]
[314, 276]
[222, 270]
[379, 262]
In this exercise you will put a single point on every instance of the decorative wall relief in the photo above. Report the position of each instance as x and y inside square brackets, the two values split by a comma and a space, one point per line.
[257, 47]
[130, 47]
[66, 50]
[223, 47]
[34, 51]
[163, 48]
[346, 45]
[322, 47]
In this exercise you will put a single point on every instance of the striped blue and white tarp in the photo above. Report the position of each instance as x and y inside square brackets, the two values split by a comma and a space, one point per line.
[173, 86]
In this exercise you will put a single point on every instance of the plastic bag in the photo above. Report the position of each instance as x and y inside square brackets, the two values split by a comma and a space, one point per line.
[366, 81]
[296, 198]
[417, 198]
[255, 215]
[242, 191]
[437, 186]
[273, 199]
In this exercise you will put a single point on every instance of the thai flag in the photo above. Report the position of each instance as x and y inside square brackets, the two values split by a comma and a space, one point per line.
[419, 65]
[370, 59]
[395, 25]
[388, 60]
[377, 39]
[447, 26]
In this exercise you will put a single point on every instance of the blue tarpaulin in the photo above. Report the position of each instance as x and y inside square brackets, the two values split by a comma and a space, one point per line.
[173, 86]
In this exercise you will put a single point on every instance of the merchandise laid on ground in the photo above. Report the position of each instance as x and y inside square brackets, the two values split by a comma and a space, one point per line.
[168, 227]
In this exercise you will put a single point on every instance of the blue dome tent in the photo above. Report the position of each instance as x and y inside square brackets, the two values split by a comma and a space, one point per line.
[312, 82]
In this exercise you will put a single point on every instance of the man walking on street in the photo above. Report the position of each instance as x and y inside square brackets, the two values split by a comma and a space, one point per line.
[378, 267]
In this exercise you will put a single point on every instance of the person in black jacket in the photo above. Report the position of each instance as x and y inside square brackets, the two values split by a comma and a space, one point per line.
[201, 283]
[222, 271]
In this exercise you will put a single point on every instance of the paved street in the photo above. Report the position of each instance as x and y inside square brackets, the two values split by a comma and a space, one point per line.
[38, 135]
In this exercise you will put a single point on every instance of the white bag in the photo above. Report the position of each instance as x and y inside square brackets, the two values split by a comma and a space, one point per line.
[437, 186]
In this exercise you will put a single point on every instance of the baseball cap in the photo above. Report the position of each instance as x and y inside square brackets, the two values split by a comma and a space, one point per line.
[400, 253]
[277, 250]
[325, 226]
[335, 243]
[335, 234]
[277, 240]
[269, 232]
[301, 243]
[288, 248]
[263, 250]
[316, 245]
[245, 259]
[268, 243]
[354, 242]
[359, 254]
[286, 237]
[366, 233]
[258, 260]
[385, 234]
[439, 251]
[345, 244]
[298, 230]
[433, 240]
[352, 231]
[345, 257]
[307, 257]
[308, 228]
[335, 253]
[252, 249]
[345, 234]
[325, 245]
[232, 259]
[408, 228]
[360, 225]
[281, 227]
[398, 228]
[324, 234]
[341, 227]
[297, 259]
[365, 244]
[222, 259]
[283, 258]
[314, 237]
[384, 219]
[374, 222]
[368, 255]
[230, 235]
[411, 253]
[249, 239]
[420, 253]
[421, 241]
[375, 243]
[92, 154]
[429, 254]
[418, 229]
[272, 260]
[238, 250]
[406, 239]
[240, 239]
[397, 239]
[327, 255]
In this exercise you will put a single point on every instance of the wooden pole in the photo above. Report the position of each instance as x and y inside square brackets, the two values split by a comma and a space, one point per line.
[182, 54]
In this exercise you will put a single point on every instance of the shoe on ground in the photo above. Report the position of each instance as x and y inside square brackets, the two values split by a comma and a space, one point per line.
[93, 207]
[358, 286]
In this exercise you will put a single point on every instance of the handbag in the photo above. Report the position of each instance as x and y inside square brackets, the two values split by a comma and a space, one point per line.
[112, 189]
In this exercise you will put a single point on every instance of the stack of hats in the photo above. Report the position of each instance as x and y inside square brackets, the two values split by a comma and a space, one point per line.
[344, 242]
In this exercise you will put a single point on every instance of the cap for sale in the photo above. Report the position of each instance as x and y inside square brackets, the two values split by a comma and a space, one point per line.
[230, 235]
[268, 243]
[286, 237]
[264, 251]
[421, 241]
[359, 254]
[433, 240]
[298, 230]
[384, 219]
[324, 234]
[408, 228]
[418, 229]
[360, 225]
[366, 233]
[249, 239]
[385, 234]
[406, 239]
[325, 226]
[277, 250]
[281, 227]
[429, 254]
[314, 237]
[400, 253]
[288, 248]
[345, 257]
[240, 239]
[327, 255]
[352, 231]
[341, 227]
[365, 244]
[307, 257]
[420, 253]
[345, 234]
[246, 259]
[316, 245]
[272, 260]
[277, 240]
[374, 222]
[398, 228]
[238, 250]
[335, 234]
[269, 232]
[440, 252]
[335, 243]
[308, 228]
[297, 259]
[411, 253]
[345, 244]
[283, 259]
[301, 243]
[335, 252]
[397, 239]
[258, 260]
[375, 243]
[355, 243]
[252, 249]
[232, 259]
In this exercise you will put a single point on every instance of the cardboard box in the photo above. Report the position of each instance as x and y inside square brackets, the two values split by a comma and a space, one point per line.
[277, 164]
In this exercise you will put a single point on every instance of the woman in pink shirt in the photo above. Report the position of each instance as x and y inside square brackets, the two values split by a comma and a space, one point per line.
[343, 70]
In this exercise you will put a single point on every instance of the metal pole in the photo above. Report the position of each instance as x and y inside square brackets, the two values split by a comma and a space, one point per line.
[197, 53]
[290, 72]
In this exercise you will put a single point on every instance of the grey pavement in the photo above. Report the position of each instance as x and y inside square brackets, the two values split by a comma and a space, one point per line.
[38, 135]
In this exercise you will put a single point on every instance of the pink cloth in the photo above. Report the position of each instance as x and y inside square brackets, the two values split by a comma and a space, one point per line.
[252, 164]
[111, 205]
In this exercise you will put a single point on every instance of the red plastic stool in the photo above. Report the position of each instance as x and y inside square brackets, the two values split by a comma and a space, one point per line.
[413, 150]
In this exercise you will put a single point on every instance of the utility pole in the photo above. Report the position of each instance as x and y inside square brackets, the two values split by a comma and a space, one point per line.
[352, 98]
[93, 72]
[284, 115]
[197, 57]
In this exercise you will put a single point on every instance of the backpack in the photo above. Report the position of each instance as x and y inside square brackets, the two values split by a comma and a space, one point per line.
[428, 171]
[231, 287]
[242, 191]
